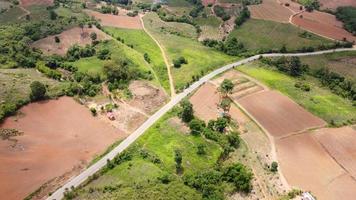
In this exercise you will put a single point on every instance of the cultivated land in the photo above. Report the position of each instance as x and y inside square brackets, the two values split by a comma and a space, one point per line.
[323, 24]
[200, 58]
[319, 100]
[333, 4]
[63, 132]
[210, 27]
[143, 43]
[68, 38]
[120, 21]
[343, 63]
[268, 35]
[270, 10]
[27, 3]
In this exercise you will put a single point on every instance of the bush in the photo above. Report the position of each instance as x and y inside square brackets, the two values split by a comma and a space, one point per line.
[93, 111]
[103, 54]
[240, 175]
[187, 113]
[56, 39]
[348, 16]
[178, 62]
[201, 149]
[244, 15]
[196, 126]
[274, 166]
[38, 91]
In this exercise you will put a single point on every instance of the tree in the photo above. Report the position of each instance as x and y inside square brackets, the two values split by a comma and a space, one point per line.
[196, 126]
[93, 36]
[234, 139]
[225, 104]
[52, 15]
[38, 90]
[187, 111]
[178, 159]
[296, 68]
[226, 87]
[240, 175]
[274, 166]
[104, 54]
[220, 124]
[201, 149]
[56, 39]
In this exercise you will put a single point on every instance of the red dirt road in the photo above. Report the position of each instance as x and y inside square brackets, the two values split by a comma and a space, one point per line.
[120, 21]
[67, 39]
[278, 114]
[323, 24]
[270, 10]
[340, 143]
[306, 164]
[57, 136]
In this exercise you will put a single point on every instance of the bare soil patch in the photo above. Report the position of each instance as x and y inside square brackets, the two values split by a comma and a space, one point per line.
[207, 2]
[120, 21]
[146, 97]
[340, 143]
[67, 39]
[270, 10]
[333, 4]
[307, 165]
[27, 3]
[323, 24]
[57, 135]
[278, 114]
[177, 123]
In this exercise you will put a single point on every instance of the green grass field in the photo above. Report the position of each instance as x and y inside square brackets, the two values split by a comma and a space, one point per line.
[266, 35]
[340, 62]
[119, 52]
[138, 178]
[209, 27]
[319, 100]
[143, 43]
[11, 15]
[201, 59]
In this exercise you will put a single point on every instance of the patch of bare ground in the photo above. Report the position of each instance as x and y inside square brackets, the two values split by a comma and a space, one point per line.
[323, 24]
[146, 97]
[57, 135]
[120, 21]
[68, 38]
[207, 2]
[333, 4]
[177, 123]
[26, 3]
[270, 10]
[306, 164]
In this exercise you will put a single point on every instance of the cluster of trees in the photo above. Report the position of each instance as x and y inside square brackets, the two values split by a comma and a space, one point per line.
[76, 52]
[177, 63]
[311, 5]
[109, 9]
[123, 2]
[231, 46]
[220, 12]
[211, 182]
[181, 19]
[243, 16]
[348, 16]
[197, 9]
[289, 65]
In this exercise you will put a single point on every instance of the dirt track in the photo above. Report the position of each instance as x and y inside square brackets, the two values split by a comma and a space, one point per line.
[57, 134]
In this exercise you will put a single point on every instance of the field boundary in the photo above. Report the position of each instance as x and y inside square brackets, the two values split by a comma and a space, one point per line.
[84, 175]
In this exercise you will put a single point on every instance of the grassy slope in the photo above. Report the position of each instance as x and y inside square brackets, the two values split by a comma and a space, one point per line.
[143, 43]
[340, 62]
[11, 15]
[161, 139]
[261, 34]
[209, 26]
[319, 100]
[118, 51]
[200, 58]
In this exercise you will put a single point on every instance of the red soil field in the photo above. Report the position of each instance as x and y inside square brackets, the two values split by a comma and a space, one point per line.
[333, 4]
[306, 165]
[26, 3]
[340, 143]
[270, 10]
[207, 2]
[278, 114]
[324, 24]
[294, 6]
[120, 21]
[58, 135]
[67, 39]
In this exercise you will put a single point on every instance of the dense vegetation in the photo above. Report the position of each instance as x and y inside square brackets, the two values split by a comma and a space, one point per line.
[310, 5]
[348, 16]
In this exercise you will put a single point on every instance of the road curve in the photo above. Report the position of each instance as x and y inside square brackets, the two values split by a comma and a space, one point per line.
[76, 181]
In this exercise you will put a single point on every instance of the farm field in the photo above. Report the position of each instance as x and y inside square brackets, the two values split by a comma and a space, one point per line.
[333, 4]
[27, 3]
[323, 24]
[63, 132]
[68, 38]
[119, 21]
[319, 100]
[267, 35]
[200, 59]
[143, 43]
[210, 27]
[270, 10]
[319, 170]
[341, 62]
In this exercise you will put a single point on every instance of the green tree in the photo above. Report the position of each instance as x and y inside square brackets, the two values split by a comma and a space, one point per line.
[187, 111]
[274, 166]
[220, 124]
[56, 39]
[296, 68]
[201, 149]
[226, 87]
[240, 175]
[93, 36]
[196, 126]
[52, 15]
[178, 159]
[38, 90]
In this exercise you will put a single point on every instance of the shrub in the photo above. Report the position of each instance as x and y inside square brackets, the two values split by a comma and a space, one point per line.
[38, 91]
[274, 166]
[201, 149]
[196, 126]
[103, 54]
[93, 111]
[186, 114]
[56, 39]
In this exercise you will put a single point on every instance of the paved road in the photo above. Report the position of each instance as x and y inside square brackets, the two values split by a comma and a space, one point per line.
[76, 181]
